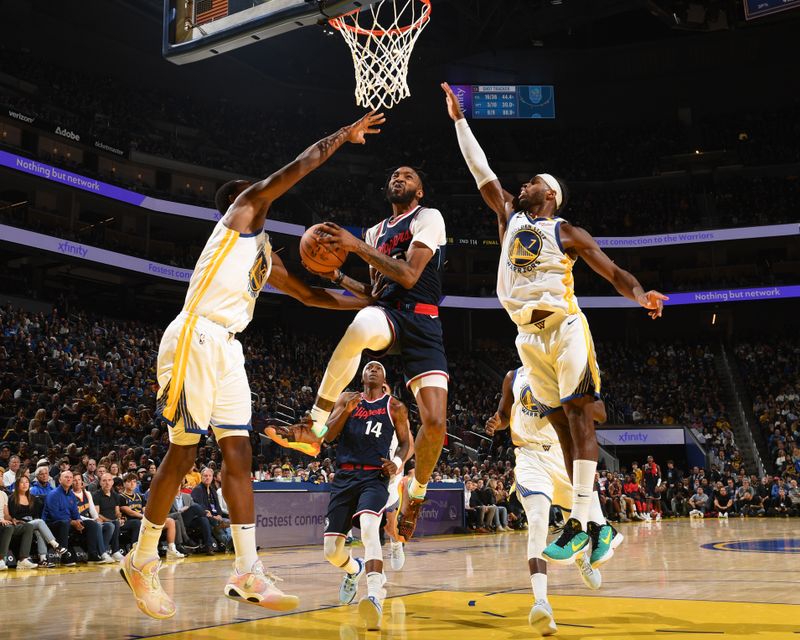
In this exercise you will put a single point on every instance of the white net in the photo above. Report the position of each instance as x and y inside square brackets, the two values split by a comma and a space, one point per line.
[381, 40]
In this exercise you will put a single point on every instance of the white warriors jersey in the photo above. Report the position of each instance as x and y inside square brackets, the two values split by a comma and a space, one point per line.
[228, 277]
[534, 272]
[527, 424]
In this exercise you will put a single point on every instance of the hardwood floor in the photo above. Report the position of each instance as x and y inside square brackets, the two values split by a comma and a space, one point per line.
[676, 579]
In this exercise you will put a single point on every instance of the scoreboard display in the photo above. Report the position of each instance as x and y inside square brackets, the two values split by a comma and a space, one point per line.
[757, 8]
[489, 101]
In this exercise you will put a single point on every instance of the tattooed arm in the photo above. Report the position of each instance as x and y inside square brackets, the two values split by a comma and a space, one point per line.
[254, 201]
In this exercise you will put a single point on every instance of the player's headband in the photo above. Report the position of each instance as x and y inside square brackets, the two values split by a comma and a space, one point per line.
[364, 370]
[551, 182]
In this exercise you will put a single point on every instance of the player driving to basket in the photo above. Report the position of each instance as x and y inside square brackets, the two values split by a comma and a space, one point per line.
[406, 254]
[536, 288]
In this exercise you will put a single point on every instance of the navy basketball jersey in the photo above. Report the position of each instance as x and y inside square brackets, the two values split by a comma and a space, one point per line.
[394, 240]
[83, 505]
[367, 434]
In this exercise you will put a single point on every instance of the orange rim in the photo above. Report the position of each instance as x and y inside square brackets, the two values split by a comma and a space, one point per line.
[338, 23]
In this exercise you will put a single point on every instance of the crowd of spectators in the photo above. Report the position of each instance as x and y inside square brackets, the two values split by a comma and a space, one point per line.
[77, 394]
[772, 374]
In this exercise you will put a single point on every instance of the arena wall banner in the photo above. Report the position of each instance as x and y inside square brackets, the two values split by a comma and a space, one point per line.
[141, 265]
[639, 437]
[61, 176]
[54, 174]
[289, 514]
[443, 512]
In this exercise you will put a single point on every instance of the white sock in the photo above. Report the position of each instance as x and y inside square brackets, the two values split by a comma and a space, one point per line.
[244, 544]
[54, 544]
[417, 490]
[539, 584]
[596, 511]
[582, 483]
[171, 546]
[351, 567]
[375, 582]
[395, 545]
[319, 417]
[147, 547]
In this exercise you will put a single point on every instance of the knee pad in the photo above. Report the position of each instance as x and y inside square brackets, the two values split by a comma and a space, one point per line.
[537, 510]
[371, 537]
[335, 553]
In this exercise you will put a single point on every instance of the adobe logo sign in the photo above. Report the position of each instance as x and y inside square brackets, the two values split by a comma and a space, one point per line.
[68, 134]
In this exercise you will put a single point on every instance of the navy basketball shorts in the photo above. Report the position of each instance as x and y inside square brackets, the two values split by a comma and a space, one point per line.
[355, 492]
[418, 340]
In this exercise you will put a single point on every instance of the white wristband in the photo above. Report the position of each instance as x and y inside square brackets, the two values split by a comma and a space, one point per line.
[473, 154]
[398, 463]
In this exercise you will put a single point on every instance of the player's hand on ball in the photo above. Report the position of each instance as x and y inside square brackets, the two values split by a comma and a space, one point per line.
[453, 106]
[653, 300]
[334, 237]
[364, 126]
[389, 467]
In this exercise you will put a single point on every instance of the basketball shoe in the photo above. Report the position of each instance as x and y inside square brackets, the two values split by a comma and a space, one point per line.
[605, 539]
[541, 618]
[572, 541]
[397, 556]
[258, 587]
[349, 587]
[407, 512]
[591, 577]
[151, 598]
[370, 609]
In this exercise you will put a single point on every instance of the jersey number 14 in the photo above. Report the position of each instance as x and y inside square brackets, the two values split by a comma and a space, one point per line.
[373, 428]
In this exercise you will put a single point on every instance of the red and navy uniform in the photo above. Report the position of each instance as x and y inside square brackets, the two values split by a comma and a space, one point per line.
[413, 313]
[359, 485]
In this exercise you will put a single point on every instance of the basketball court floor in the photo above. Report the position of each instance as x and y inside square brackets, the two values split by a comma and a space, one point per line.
[674, 579]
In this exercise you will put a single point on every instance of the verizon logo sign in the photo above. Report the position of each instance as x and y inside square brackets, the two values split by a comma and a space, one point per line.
[20, 116]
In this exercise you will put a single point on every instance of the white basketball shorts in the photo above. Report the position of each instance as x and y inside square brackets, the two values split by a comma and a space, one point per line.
[543, 472]
[202, 381]
[558, 353]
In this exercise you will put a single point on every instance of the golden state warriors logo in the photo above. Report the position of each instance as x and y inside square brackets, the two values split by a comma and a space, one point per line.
[258, 273]
[529, 405]
[524, 250]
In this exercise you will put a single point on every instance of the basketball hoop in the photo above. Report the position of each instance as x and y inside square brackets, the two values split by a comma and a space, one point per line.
[381, 43]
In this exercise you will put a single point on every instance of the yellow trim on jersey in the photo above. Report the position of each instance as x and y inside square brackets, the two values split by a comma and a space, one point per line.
[569, 284]
[179, 362]
[222, 251]
[590, 350]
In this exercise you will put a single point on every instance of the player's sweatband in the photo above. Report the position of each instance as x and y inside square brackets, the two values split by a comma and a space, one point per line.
[398, 463]
[473, 154]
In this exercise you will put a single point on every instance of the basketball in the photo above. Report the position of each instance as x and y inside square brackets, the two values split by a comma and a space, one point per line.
[316, 257]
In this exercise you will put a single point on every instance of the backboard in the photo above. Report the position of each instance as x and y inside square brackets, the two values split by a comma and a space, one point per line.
[198, 29]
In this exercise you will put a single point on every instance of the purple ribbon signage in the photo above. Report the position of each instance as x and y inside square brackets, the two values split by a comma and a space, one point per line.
[54, 174]
[111, 258]
[61, 176]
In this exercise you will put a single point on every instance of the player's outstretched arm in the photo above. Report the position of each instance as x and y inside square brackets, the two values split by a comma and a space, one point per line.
[264, 192]
[581, 242]
[502, 417]
[498, 199]
[281, 279]
[345, 405]
[405, 443]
